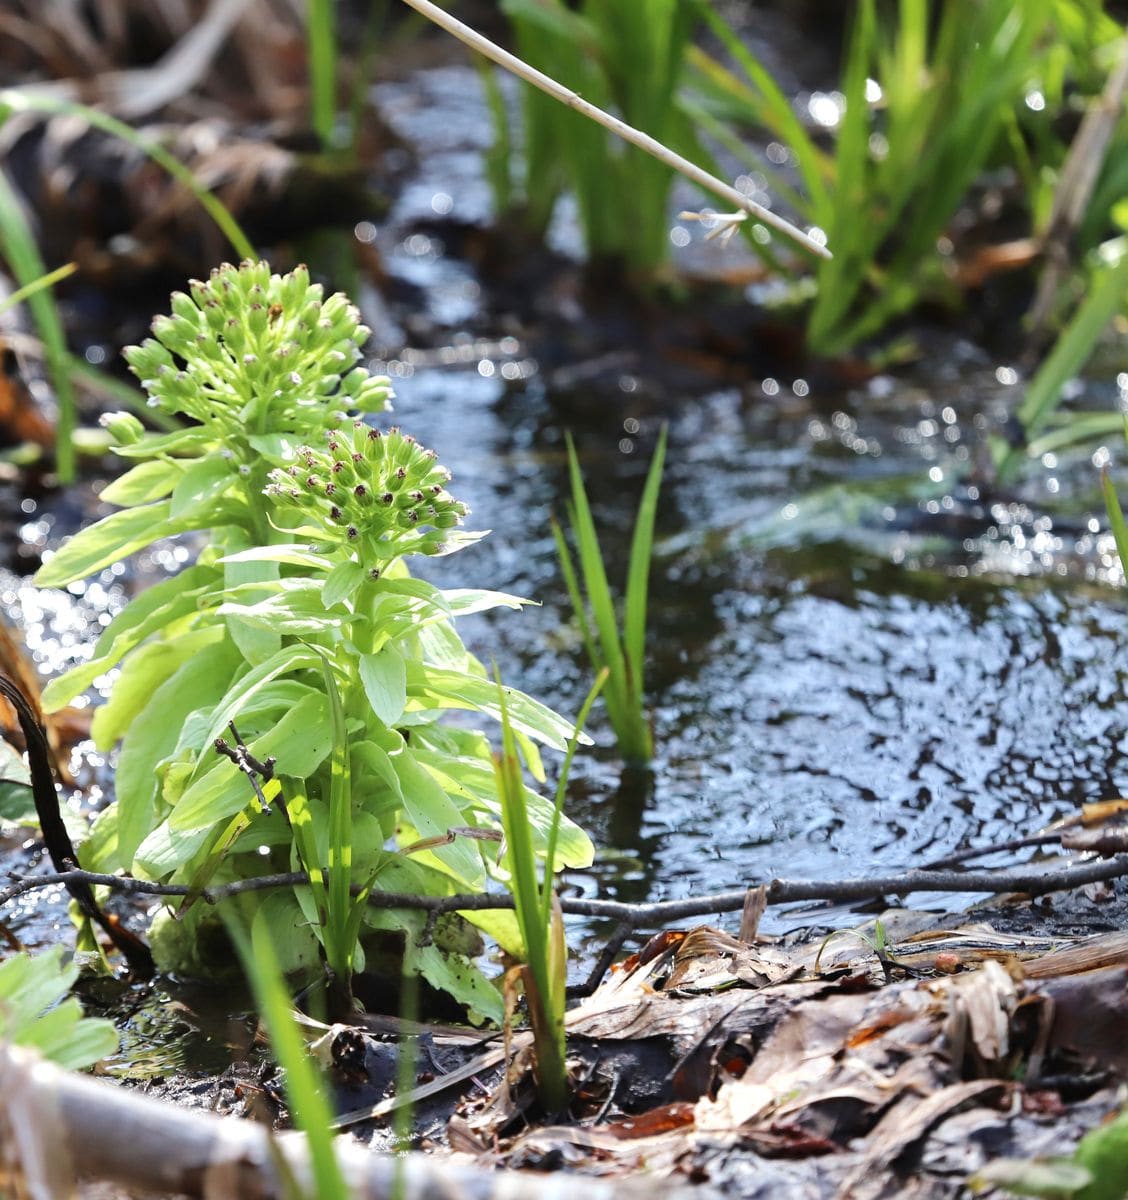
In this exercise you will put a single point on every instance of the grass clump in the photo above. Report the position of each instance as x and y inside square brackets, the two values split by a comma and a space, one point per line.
[623, 654]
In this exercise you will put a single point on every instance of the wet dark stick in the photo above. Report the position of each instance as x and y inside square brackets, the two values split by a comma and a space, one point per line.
[1034, 880]
[55, 836]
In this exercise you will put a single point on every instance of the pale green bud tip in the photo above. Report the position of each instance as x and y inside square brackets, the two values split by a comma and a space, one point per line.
[123, 427]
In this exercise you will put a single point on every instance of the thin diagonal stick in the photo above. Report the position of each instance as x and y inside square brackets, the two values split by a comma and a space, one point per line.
[628, 133]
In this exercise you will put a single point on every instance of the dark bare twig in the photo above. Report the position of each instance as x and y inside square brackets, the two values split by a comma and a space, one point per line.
[1035, 879]
[1018, 843]
[248, 764]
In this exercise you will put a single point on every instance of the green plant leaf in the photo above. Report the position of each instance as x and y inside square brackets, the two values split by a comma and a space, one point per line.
[142, 674]
[29, 986]
[152, 737]
[300, 741]
[202, 482]
[1054, 1179]
[162, 605]
[434, 814]
[435, 687]
[108, 540]
[384, 678]
[143, 483]
[342, 582]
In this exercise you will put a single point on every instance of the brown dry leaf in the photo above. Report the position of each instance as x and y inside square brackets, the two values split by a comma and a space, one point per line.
[982, 1003]
[902, 1128]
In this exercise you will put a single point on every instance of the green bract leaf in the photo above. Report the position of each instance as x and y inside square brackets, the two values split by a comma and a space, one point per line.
[143, 483]
[161, 606]
[112, 538]
[202, 482]
[430, 686]
[300, 741]
[384, 677]
[28, 986]
[342, 583]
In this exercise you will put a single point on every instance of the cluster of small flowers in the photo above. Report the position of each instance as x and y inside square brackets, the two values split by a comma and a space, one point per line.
[381, 491]
[257, 345]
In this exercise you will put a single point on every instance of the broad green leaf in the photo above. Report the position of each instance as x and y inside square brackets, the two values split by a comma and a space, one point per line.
[166, 850]
[17, 805]
[459, 977]
[300, 741]
[296, 608]
[295, 554]
[189, 442]
[464, 601]
[432, 686]
[288, 659]
[341, 582]
[384, 677]
[1054, 1178]
[143, 483]
[433, 814]
[474, 779]
[31, 1014]
[278, 448]
[280, 918]
[112, 538]
[204, 481]
[143, 673]
[255, 643]
[1103, 1152]
[153, 735]
[159, 606]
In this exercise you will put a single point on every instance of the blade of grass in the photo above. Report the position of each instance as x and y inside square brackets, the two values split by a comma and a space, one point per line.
[22, 255]
[339, 948]
[1115, 518]
[598, 590]
[321, 45]
[1105, 295]
[561, 788]
[12, 100]
[305, 1091]
[37, 285]
[638, 571]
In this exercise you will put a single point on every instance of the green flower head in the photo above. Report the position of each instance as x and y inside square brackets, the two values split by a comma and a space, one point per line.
[381, 493]
[248, 350]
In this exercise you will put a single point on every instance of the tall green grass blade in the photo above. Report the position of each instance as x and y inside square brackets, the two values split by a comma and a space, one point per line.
[339, 947]
[1115, 518]
[543, 953]
[571, 583]
[638, 571]
[22, 255]
[598, 590]
[38, 285]
[1105, 294]
[13, 100]
[305, 1091]
[561, 789]
[321, 43]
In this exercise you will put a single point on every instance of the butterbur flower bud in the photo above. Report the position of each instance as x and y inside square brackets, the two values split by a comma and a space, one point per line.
[414, 509]
[123, 427]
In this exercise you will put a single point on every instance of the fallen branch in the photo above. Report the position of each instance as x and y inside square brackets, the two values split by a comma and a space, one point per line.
[1035, 880]
[58, 1124]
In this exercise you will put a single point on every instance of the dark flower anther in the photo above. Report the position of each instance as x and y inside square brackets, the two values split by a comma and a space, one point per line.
[353, 533]
[360, 491]
[335, 513]
[387, 498]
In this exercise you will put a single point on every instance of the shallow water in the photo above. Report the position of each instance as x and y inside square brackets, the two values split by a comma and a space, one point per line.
[859, 658]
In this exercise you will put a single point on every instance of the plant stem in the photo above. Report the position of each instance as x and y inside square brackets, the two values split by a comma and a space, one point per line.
[628, 133]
